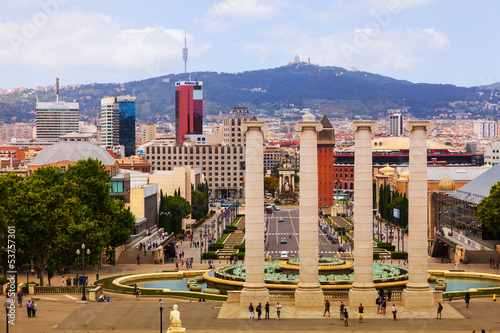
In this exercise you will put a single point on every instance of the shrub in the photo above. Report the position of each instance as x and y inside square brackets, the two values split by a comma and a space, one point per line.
[231, 227]
[387, 246]
[240, 247]
[240, 255]
[376, 256]
[399, 255]
[3, 280]
[215, 247]
[210, 255]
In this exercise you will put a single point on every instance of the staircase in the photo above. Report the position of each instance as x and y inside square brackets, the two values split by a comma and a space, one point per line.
[235, 238]
[130, 257]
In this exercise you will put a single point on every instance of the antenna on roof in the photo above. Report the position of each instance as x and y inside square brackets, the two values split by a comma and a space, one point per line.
[57, 89]
[185, 52]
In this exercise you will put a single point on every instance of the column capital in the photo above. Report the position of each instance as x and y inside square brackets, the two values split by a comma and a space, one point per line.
[359, 124]
[315, 125]
[255, 125]
[413, 124]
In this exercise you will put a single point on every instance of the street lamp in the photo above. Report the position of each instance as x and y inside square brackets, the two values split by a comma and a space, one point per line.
[7, 316]
[83, 268]
[212, 228]
[201, 247]
[160, 303]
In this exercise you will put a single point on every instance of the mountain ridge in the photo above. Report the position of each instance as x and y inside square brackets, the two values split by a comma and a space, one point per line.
[333, 91]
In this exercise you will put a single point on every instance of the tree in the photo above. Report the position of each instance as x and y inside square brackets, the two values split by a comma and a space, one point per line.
[10, 187]
[400, 203]
[177, 208]
[271, 183]
[275, 172]
[488, 210]
[199, 204]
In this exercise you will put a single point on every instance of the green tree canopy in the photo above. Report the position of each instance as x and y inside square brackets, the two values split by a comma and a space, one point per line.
[488, 210]
[199, 204]
[176, 208]
[271, 183]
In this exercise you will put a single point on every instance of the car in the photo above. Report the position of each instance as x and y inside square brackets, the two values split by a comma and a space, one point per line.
[335, 240]
[281, 219]
[284, 254]
[283, 240]
[276, 208]
[341, 249]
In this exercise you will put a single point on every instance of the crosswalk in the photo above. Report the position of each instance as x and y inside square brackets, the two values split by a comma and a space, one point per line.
[322, 252]
[282, 234]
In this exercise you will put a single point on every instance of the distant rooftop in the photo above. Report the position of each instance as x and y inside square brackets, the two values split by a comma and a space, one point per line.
[478, 188]
[72, 151]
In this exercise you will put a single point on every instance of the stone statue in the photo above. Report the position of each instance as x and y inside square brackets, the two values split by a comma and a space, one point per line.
[175, 320]
[287, 187]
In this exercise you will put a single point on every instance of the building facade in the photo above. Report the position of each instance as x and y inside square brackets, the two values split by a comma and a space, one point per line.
[188, 109]
[118, 123]
[396, 124]
[55, 119]
[221, 165]
[326, 181]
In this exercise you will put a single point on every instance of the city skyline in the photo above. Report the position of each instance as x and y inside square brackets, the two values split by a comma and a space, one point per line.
[92, 41]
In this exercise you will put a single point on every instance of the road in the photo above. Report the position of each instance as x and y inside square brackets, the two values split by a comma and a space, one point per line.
[289, 230]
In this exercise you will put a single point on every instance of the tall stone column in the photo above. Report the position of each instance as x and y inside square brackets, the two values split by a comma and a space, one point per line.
[363, 288]
[308, 292]
[417, 292]
[254, 289]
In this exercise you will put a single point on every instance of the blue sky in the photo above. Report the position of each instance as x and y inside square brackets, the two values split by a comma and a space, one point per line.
[83, 41]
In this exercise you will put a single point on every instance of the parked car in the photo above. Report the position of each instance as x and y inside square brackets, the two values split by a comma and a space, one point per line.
[341, 249]
[283, 240]
[281, 219]
[335, 240]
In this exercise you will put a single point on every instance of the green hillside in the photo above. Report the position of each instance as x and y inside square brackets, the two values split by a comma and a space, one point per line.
[335, 91]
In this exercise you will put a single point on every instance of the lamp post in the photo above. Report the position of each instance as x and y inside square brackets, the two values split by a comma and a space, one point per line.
[201, 247]
[83, 268]
[403, 240]
[212, 224]
[399, 231]
[160, 303]
[7, 316]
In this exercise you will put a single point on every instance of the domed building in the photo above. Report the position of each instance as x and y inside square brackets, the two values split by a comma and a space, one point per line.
[73, 148]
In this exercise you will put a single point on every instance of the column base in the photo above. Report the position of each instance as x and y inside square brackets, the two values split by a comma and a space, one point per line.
[418, 298]
[309, 295]
[255, 293]
[366, 296]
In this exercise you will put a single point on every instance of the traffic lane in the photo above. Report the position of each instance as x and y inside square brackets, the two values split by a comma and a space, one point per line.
[276, 231]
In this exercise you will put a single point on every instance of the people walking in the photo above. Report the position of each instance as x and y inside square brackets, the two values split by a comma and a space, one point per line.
[394, 310]
[259, 311]
[278, 310]
[20, 298]
[252, 313]
[379, 305]
[439, 310]
[137, 293]
[327, 308]
[33, 308]
[138, 260]
[266, 307]
[342, 307]
[467, 299]
[384, 304]
[361, 310]
[28, 307]
[346, 317]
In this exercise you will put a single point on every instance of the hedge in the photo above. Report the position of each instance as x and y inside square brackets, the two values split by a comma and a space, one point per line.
[240, 255]
[387, 246]
[399, 255]
[376, 256]
[210, 255]
[231, 227]
[240, 247]
[215, 247]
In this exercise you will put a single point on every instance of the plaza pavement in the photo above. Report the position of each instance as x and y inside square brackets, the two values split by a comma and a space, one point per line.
[67, 313]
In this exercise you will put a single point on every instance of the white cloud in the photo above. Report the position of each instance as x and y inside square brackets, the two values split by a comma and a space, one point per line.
[74, 41]
[374, 51]
[227, 13]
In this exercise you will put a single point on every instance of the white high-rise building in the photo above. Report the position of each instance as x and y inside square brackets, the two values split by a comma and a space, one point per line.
[55, 119]
[486, 128]
[396, 124]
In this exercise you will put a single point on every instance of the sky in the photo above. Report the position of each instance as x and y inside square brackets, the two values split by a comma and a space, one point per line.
[84, 41]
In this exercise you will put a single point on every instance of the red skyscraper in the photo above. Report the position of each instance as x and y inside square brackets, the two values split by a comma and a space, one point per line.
[188, 109]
